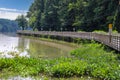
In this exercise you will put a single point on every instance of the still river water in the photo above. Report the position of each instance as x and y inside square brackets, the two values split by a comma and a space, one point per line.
[11, 46]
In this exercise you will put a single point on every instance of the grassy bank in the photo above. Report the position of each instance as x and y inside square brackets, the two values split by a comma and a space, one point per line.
[89, 60]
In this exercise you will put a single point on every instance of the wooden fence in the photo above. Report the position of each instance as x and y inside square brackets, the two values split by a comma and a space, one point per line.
[111, 41]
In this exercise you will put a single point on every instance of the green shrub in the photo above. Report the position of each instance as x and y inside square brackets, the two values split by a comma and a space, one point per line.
[101, 64]
[93, 53]
[6, 63]
[89, 60]
[68, 69]
[100, 32]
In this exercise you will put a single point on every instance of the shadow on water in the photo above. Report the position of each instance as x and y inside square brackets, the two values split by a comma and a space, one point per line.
[32, 47]
[43, 49]
[11, 46]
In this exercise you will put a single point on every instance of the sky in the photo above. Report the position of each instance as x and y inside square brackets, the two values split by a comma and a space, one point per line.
[10, 9]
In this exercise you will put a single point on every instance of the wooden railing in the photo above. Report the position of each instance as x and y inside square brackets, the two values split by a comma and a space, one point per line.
[112, 41]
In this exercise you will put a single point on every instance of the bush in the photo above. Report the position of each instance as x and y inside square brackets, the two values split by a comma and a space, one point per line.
[68, 69]
[89, 60]
[101, 64]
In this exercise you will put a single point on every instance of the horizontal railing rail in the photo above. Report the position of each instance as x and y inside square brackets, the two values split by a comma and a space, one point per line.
[109, 40]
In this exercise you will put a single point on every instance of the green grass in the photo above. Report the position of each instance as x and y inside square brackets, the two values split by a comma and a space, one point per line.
[89, 60]
[114, 32]
[101, 64]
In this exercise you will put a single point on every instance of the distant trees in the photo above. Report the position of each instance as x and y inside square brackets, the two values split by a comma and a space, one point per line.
[22, 22]
[85, 15]
[117, 19]
[8, 25]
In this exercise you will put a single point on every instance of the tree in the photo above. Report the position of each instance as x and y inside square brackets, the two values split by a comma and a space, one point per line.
[116, 22]
[44, 14]
[51, 19]
[22, 22]
[68, 14]
[35, 14]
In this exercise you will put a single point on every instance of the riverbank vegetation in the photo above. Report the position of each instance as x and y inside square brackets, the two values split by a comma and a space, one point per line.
[88, 60]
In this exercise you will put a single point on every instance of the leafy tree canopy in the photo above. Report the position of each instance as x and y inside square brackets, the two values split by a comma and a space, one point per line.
[22, 22]
[85, 15]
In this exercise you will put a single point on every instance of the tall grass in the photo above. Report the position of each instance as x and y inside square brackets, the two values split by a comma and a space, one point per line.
[101, 64]
[88, 60]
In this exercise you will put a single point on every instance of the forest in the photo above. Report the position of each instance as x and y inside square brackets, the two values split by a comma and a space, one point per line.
[74, 15]
[8, 25]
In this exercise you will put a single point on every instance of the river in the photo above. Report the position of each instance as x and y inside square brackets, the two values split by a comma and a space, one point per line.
[11, 46]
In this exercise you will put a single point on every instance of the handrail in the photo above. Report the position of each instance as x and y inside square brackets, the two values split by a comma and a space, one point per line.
[111, 41]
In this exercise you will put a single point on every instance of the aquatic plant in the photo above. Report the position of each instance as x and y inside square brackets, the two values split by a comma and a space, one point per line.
[88, 60]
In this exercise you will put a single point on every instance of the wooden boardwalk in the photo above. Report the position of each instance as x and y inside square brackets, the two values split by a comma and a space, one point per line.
[111, 41]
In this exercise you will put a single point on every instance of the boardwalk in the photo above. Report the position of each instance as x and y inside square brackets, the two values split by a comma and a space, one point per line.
[111, 41]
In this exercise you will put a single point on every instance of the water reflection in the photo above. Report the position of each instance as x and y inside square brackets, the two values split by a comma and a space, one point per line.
[21, 78]
[8, 43]
[23, 46]
[20, 46]
[47, 49]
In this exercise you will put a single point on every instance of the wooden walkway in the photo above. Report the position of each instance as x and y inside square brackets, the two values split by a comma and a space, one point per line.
[111, 41]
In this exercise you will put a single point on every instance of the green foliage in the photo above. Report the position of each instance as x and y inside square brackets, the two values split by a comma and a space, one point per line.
[23, 66]
[65, 15]
[103, 32]
[88, 60]
[22, 22]
[116, 20]
[101, 64]
[43, 15]
[67, 69]
[100, 32]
